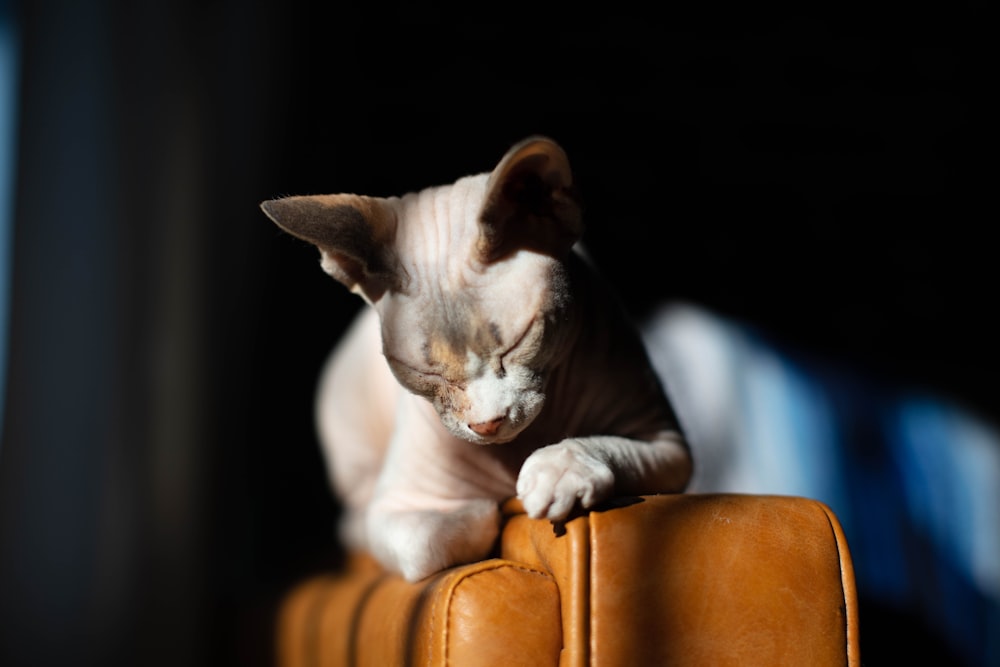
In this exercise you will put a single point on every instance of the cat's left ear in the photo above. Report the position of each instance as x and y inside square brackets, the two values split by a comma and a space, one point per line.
[354, 235]
[530, 203]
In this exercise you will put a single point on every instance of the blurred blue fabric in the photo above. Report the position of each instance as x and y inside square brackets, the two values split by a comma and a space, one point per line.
[9, 53]
[914, 477]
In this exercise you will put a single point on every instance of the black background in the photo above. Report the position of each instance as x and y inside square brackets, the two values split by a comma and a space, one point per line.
[815, 175]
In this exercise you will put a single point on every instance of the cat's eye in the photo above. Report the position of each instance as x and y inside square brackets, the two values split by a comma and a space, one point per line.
[402, 365]
[425, 380]
[528, 331]
[403, 370]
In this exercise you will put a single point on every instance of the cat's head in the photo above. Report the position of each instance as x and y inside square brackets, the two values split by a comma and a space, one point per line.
[469, 280]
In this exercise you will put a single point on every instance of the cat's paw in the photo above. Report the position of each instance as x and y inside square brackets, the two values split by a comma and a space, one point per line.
[420, 543]
[554, 478]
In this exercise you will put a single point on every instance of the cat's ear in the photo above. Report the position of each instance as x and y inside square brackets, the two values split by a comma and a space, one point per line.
[530, 203]
[354, 235]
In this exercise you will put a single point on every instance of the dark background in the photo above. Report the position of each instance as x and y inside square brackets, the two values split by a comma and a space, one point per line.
[817, 174]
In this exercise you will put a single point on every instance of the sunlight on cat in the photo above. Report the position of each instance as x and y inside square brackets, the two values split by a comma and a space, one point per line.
[492, 361]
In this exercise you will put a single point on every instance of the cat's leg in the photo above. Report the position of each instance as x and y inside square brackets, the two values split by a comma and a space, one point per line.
[436, 503]
[586, 471]
[355, 410]
[420, 542]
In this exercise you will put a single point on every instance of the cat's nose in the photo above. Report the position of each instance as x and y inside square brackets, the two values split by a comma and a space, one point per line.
[488, 427]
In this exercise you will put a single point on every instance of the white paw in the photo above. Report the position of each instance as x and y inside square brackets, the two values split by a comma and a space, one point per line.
[420, 543]
[554, 478]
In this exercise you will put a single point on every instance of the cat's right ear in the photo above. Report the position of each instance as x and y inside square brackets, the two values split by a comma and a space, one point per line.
[530, 203]
[354, 235]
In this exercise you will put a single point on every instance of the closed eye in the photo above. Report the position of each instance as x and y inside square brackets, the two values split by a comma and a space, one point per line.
[394, 361]
[421, 375]
[531, 327]
[530, 334]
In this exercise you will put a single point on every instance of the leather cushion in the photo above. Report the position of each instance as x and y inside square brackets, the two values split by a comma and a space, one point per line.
[666, 580]
[490, 613]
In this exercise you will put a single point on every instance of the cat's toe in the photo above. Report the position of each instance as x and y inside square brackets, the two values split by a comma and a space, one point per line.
[555, 478]
[536, 505]
[560, 507]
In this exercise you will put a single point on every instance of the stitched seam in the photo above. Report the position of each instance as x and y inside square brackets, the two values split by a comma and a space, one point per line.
[357, 614]
[316, 609]
[433, 632]
[848, 636]
[592, 543]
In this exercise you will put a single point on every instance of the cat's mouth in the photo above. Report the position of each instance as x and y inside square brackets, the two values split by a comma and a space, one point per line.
[492, 439]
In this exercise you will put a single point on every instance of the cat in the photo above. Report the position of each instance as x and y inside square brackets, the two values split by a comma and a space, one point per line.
[491, 361]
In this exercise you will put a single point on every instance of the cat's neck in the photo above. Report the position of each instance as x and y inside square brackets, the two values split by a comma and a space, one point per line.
[601, 341]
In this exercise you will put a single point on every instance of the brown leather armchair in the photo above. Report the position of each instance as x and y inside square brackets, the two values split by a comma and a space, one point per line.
[714, 579]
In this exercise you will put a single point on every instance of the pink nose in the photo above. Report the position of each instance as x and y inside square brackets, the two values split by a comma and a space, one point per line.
[488, 427]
